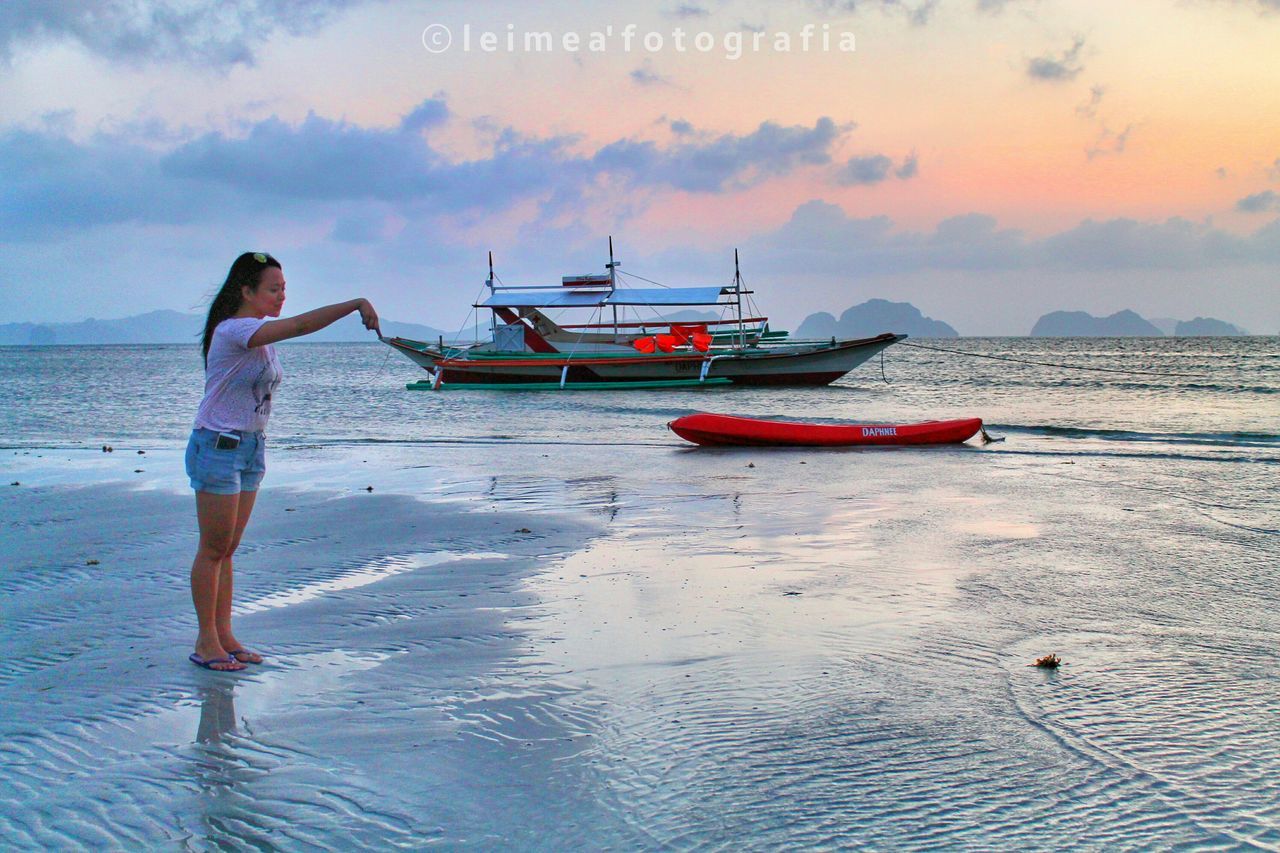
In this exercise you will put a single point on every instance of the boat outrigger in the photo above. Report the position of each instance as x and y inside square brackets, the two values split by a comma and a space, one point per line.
[529, 350]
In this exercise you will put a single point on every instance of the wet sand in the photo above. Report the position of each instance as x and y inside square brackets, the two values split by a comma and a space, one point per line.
[532, 646]
[381, 616]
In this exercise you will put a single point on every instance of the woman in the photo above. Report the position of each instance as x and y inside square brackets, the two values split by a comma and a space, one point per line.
[225, 456]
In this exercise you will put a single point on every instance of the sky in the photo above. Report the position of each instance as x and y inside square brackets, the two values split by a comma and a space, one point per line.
[986, 160]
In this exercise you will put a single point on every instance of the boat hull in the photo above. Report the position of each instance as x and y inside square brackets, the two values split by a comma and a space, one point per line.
[796, 364]
[729, 430]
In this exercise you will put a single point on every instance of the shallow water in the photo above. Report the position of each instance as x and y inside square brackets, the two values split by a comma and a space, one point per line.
[1221, 389]
[838, 654]
[718, 648]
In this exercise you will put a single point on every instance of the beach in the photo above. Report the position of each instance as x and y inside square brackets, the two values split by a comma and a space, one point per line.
[536, 635]
[465, 276]
[359, 690]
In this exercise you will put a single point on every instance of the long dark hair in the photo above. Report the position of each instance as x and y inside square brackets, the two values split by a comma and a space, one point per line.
[245, 272]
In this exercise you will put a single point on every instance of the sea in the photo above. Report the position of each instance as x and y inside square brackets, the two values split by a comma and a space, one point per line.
[1134, 395]
[763, 648]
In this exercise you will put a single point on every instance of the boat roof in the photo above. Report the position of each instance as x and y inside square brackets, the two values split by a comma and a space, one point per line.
[572, 297]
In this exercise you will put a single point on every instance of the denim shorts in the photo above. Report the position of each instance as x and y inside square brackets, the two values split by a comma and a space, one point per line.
[226, 472]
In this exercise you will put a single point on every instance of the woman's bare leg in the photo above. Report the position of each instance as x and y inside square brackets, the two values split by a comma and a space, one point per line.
[226, 583]
[217, 517]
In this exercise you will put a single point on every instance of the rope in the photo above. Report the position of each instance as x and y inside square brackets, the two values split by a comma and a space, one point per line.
[1050, 363]
[655, 315]
[642, 278]
[377, 375]
[598, 313]
[654, 311]
[474, 312]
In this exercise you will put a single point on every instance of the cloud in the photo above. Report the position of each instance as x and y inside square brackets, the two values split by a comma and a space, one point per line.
[358, 228]
[822, 238]
[429, 114]
[1263, 7]
[1126, 244]
[724, 162]
[1260, 202]
[918, 13]
[219, 33]
[319, 167]
[646, 76]
[1057, 68]
[327, 159]
[49, 179]
[1109, 142]
[320, 159]
[56, 185]
[1089, 109]
[872, 169]
[988, 279]
[690, 10]
[865, 170]
[910, 167]
[996, 7]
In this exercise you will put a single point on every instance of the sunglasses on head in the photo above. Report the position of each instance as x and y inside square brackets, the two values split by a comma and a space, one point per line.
[260, 257]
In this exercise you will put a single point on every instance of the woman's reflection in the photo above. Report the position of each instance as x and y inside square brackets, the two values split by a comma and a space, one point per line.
[217, 712]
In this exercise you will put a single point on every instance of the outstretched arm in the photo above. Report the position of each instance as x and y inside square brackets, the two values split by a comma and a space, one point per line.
[313, 321]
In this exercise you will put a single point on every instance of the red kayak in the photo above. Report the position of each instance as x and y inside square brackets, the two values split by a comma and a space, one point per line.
[710, 429]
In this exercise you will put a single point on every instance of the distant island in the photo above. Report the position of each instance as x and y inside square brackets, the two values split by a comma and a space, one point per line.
[1127, 324]
[1208, 327]
[1079, 324]
[873, 317]
[868, 319]
[174, 327]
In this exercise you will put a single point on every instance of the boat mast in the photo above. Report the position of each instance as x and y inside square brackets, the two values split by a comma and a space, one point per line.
[612, 267]
[493, 321]
[737, 289]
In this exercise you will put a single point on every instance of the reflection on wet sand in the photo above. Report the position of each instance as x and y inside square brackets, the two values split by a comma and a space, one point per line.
[217, 712]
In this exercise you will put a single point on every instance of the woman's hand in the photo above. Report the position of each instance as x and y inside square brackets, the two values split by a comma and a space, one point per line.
[368, 316]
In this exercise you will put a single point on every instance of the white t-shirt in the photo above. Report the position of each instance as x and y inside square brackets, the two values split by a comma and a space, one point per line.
[239, 380]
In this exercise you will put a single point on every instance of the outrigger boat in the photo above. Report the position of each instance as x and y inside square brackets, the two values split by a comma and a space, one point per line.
[529, 350]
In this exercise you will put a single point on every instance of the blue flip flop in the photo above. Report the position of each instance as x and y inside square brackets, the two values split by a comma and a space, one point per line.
[209, 664]
[237, 652]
